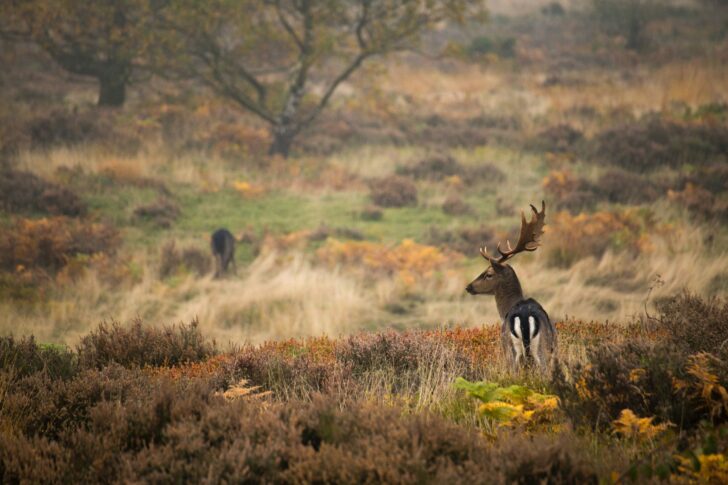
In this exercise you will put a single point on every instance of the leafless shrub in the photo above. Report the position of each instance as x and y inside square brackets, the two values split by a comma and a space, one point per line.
[654, 142]
[454, 205]
[393, 191]
[162, 213]
[464, 240]
[558, 138]
[26, 192]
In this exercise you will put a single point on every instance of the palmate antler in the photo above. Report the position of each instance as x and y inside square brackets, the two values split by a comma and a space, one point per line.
[528, 240]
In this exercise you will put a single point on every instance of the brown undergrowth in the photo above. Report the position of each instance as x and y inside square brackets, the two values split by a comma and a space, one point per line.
[142, 403]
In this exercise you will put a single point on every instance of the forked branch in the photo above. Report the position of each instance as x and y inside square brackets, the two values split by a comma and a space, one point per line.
[528, 240]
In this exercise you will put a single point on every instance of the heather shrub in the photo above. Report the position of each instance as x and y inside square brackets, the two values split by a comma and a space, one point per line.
[653, 142]
[545, 459]
[173, 260]
[635, 375]
[713, 178]
[694, 324]
[454, 205]
[143, 345]
[393, 191]
[700, 202]
[371, 213]
[51, 243]
[463, 240]
[558, 138]
[162, 213]
[25, 357]
[401, 352]
[621, 187]
[442, 167]
[286, 374]
[26, 192]
[61, 127]
[674, 380]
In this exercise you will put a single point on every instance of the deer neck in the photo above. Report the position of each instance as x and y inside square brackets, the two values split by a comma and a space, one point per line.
[507, 294]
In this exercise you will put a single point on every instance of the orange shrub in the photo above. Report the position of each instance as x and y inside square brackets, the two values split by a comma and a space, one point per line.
[576, 237]
[408, 259]
[52, 243]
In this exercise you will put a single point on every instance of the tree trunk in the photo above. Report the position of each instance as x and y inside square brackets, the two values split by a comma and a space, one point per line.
[282, 141]
[112, 91]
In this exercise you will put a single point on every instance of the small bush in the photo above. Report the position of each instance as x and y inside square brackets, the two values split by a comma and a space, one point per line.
[576, 237]
[653, 143]
[454, 205]
[700, 202]
[161, 213]
[25, 357]
[61, 127]
[621, 187]
[394, 191]
[713, 178]
[173, 260]
[50, 244]
[483, 45]
[694, 324]
[558, 138]
[553, 8]
[371, 213]
[464, 240]
[139, 345]
[443, 167]
[26, 192]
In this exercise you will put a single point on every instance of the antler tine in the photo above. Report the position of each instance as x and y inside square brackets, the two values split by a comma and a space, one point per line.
[531, 232]
[484, 253]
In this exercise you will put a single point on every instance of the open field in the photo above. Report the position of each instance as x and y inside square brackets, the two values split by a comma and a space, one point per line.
[340, 336]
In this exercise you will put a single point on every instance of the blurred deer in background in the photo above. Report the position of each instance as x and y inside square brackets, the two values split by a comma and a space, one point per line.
[527, 334]
[223, 249]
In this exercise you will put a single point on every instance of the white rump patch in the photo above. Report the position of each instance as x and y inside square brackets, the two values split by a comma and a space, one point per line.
[531, 325]
[517, 326]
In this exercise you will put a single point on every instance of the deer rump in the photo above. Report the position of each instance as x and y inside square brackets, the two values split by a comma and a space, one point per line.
[223, 248]
[528, 334]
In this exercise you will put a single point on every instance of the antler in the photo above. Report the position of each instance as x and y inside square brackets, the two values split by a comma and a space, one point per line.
[528, 240]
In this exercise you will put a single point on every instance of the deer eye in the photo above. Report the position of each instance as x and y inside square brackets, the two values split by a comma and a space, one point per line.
[488, 276]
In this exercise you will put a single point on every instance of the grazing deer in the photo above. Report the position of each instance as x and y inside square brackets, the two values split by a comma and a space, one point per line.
[527, 334]
[223, 249]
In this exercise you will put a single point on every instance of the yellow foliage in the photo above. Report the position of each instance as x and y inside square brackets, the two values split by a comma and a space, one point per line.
[513, 405]
[705, 386]
[712, 468]
[574, 237]
[409, 260]
[248, 190]
[631, 426]
[242, 390]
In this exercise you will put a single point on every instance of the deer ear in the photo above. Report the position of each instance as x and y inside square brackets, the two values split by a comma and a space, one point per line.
[497, 267]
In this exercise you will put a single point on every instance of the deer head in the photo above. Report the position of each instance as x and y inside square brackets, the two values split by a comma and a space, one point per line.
[500, 279]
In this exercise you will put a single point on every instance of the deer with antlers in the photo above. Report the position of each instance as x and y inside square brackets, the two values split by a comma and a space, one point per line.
[527, 334]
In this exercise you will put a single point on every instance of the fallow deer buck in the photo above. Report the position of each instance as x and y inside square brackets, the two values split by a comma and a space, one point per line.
[527, 334]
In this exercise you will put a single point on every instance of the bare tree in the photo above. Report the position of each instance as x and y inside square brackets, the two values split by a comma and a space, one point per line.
[283, 59]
